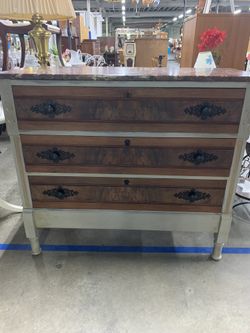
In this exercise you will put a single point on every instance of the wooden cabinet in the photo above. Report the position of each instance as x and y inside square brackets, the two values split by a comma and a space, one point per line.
[90, 46]
[148, 51]
[234, 49]
[75, 41]
[143, 153]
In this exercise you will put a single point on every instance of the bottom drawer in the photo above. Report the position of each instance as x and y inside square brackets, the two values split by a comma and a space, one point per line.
[127, 194]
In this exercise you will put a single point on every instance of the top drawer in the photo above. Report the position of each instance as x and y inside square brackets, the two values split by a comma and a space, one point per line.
[128, 109]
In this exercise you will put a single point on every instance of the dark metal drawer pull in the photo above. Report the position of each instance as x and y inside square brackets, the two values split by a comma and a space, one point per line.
[126, 182]
[50, 109]
[60, 193]
[198, 157]
[55, 155]
[205, 110]
[127, 142]
[192, 195]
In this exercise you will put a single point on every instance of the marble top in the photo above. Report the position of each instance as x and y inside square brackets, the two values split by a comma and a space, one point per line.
[126, 74]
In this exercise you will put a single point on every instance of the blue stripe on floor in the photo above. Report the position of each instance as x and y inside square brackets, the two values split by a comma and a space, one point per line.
[123, 249]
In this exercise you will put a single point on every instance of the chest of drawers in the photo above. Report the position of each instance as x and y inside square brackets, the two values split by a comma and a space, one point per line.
[139, 151]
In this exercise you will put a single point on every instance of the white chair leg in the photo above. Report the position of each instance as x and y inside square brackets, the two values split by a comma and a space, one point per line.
[232, 6]
[10, 207]
[207, 7]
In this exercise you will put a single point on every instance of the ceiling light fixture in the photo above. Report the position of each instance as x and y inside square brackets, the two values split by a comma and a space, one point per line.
[175, 19]
[189, 11]
[123, 8]
[180, 16]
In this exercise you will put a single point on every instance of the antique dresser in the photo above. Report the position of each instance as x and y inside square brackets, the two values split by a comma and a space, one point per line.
[127, 148]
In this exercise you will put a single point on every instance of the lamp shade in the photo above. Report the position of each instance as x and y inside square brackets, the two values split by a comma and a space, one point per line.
[25, 9]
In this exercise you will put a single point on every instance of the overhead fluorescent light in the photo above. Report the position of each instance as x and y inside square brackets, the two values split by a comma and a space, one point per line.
[123, 7]
[237, 11]
[124, 18]
[175, 19]
[180, 16]
[189, 11]
[123, 1]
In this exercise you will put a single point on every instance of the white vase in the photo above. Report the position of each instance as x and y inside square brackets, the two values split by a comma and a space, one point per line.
[205, 60]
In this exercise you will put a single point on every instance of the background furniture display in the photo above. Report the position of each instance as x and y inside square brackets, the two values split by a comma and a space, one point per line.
[149, 48]
[90, 46]
[83, 161]
[106, 42]
[74, 41]
[208, 4]
[111, 58]
[38, 12]
[129, 54]
[234, 49]
[22, 29]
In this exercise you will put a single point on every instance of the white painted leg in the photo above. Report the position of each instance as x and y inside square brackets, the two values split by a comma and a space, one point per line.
[217, 251]
[35, 246]
[12, 208]
[31, 232]
[222, 236]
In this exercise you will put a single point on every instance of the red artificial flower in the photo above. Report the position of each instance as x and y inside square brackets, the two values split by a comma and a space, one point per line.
[211, 39]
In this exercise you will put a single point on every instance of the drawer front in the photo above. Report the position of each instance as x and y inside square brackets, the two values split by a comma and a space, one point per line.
[128, 155]
[123, 109]
[127, 194]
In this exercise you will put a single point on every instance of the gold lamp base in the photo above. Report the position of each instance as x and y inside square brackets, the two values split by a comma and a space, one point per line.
[41, 38]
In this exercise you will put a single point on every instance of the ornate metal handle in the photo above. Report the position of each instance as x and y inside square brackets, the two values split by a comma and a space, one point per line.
[50, 109]
[127, 142]
[55, 155]
[60, 193]
[198, 157]
[126, 182]
[192, 195]
[205, 110]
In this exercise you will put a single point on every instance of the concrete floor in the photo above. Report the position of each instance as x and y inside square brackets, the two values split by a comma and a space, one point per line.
[79, 292]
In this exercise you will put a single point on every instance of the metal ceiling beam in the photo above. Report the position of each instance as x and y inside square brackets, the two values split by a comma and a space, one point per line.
[139, 15]
[81, 4]
[148, 16]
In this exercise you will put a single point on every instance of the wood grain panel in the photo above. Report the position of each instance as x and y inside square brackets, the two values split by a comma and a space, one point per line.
[159, 114]
[113, 193]
[124, 155]
[148, 49]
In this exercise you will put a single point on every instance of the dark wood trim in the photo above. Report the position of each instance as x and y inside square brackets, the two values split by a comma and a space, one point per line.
[140, 207]
[106, 93]
[109, 181]
[115, 141]
[26, 125]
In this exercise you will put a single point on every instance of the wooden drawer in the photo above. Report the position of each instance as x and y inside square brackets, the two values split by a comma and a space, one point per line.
[127, 194]
[208, 157]
[129, 109]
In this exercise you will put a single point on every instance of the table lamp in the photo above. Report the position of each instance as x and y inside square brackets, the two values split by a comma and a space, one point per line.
[38, 10]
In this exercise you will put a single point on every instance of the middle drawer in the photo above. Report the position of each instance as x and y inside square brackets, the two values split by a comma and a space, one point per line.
[169, 156]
